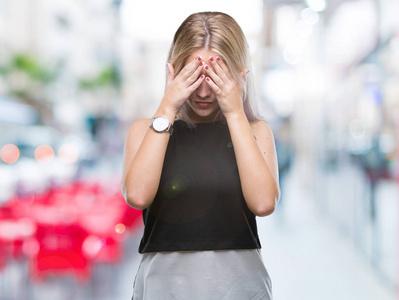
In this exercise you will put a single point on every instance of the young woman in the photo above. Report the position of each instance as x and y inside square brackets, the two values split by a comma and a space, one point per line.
[201, 170]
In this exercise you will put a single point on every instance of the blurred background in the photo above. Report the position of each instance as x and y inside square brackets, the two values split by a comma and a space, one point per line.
[74, 75]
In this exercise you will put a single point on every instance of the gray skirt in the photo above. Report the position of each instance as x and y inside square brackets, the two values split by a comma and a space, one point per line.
[202, 275]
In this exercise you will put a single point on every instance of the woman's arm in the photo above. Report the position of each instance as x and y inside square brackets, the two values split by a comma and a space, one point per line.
[256, 160]
[143, 157]
[257, 163]
[144, 149]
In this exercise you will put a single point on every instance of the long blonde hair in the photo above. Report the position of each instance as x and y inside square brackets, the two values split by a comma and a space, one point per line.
[220, 33]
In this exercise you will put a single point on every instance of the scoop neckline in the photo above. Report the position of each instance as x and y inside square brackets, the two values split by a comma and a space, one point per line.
[203, 123]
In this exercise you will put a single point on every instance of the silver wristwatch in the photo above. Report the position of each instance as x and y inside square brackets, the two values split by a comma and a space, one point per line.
[161, 124]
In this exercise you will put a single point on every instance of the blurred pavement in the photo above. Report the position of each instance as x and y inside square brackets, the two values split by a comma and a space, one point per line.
[308, 258]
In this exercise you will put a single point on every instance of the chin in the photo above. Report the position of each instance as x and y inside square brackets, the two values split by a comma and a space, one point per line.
[205, 114]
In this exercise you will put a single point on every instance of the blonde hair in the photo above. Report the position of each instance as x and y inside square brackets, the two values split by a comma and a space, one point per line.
[220, 33]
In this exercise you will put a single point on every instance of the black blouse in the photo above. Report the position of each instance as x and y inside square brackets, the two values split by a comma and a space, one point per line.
[199, 204]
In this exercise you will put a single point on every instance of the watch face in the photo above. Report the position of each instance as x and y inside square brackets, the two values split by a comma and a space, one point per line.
[160, 124]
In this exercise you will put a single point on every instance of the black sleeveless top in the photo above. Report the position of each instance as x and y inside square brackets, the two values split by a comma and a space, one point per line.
[199, 204]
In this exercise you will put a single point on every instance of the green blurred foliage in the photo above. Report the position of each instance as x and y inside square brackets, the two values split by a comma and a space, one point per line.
[31, 66]
[109, 77]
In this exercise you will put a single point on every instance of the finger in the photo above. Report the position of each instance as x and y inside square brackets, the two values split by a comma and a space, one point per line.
[216, 79]
[218, 69]
[224, 67]
[190, 68]
[196, 84]
[213, 86]
[171, 73]
[195, 75]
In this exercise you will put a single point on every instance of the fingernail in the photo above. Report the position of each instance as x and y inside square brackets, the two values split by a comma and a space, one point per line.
[202, 76]
[199, 57]
[207, 79]
[218, 58]
[206, 67]
[211, 58]
[201, 64]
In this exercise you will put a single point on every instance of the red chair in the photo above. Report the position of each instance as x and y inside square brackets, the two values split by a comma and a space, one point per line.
[13, 235]
[60, 252]
[102, 222]
[2, 258]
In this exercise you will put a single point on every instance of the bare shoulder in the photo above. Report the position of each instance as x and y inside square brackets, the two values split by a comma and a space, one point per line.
[261, 128]
[265, 140]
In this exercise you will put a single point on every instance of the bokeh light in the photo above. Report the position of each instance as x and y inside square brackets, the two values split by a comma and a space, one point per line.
[92, 245]
[310, 15]
[9, 153]
[120, 228]
[68, 153]
[317, 5]
[44, 154]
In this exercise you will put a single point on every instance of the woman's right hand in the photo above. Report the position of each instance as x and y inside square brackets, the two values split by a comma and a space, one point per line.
[178, 89]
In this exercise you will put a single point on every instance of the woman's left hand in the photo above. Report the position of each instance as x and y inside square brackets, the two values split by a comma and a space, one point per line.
[228, 91]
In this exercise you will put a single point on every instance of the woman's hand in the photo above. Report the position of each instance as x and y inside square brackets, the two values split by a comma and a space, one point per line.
[178, 89]
[228, 91]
